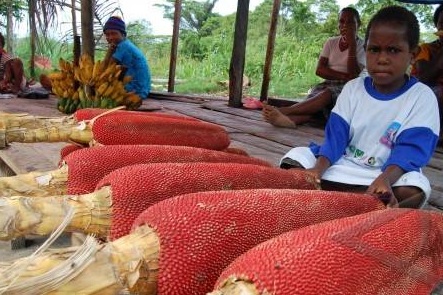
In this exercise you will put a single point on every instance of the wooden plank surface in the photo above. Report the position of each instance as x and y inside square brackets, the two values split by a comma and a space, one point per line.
[27, 157]
[246, 128]
[259, 128]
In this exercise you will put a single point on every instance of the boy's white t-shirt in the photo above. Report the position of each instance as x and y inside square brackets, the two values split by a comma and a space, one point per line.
[375, 123]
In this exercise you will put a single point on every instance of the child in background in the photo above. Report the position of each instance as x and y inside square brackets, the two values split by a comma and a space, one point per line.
[342, 59]
[428, 65]
[12, 77]
[125, 53]
[384, 128]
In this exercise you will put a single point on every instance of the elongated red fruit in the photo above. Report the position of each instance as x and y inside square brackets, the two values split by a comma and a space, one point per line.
[135, 129]
[87, 166]
[394, 251]
[201, 233]
[66, 150]
[135, 188]
[90, 113]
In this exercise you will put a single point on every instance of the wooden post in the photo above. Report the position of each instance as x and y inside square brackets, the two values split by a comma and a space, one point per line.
[270, 51]
[32, 8]
[87, 21]
[77, 49]
[237, 66]
[174, 45]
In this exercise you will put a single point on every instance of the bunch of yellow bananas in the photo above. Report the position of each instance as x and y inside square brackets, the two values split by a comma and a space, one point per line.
[89, 85]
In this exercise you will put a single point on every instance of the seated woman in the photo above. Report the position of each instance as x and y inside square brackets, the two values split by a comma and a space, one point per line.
[342, 59]
[428, 65]
[12, 78]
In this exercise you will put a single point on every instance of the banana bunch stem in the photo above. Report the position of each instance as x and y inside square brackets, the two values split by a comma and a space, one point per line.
[41, 216]
[129, 262]
[23, 120]
[35, 184]
[49, 134]
[27, 128]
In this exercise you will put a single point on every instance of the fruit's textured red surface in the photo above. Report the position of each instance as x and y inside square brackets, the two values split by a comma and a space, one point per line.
[201, 233]
[393, 251]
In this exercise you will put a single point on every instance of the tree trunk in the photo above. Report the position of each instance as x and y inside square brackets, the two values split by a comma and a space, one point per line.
[33, 29]
[10, 31]
[237, 66]
[87, 20]
[174, 45]
[270, 51]
[74, 18]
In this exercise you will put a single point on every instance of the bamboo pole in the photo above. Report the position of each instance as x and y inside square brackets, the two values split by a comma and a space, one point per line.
[21, 216]
[129, 262]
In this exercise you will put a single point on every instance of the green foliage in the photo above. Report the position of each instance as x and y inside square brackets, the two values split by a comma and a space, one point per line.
[367, 8]
[194, 14]
[139, 32]
[206, 40]
[16, 7]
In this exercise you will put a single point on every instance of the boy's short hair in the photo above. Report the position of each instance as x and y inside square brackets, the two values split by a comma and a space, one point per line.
[354, 12]
[401, 16]
[437, 12]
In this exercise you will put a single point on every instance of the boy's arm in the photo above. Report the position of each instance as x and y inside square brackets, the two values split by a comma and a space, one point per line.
[382, 184]
[321, 165]
[108, 57]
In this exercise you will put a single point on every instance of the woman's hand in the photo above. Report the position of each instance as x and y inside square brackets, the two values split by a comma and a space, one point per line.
[350, 33]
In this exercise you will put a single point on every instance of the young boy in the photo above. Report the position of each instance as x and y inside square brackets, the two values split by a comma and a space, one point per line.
[125, 53]
[384, 128]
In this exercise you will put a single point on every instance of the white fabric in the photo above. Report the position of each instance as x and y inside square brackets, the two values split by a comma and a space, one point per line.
[370, 140]
[376, 121]
[353, 174]
[337, 59]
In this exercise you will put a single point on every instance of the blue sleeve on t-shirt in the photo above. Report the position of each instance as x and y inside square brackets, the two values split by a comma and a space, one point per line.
[336, 139]
[413, 149]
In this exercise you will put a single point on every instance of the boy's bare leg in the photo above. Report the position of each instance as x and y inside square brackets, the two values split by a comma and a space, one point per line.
[273, 116]
[409, 196]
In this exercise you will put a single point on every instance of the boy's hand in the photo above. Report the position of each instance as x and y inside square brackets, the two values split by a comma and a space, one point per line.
[314, 176]
[381, 189]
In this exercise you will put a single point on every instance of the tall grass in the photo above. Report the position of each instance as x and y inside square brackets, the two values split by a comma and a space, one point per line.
[292, 72]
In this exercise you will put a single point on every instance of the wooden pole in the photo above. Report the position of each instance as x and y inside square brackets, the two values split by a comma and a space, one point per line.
[32, 5]
[237, 66]
[87, 28]
[270, 51]
[174, 45]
